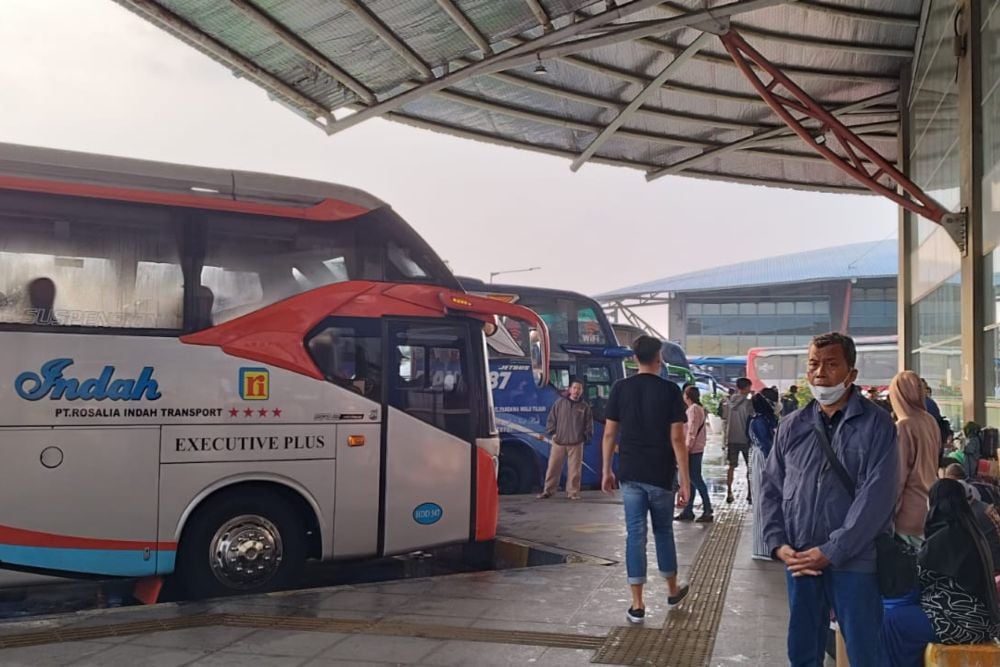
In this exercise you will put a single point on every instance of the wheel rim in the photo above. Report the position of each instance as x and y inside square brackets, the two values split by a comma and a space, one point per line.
[246, 552]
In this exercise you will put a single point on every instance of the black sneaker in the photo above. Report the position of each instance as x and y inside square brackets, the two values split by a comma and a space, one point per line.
[749, 500]
[682, 592]
[705, 518]
[684, 516]
[635, 615]
[729, 498]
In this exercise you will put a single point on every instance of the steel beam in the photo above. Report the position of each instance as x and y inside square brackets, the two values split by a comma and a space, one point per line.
[304, 50]
[485, 137]
[582, 126]
[173, 23]
[791, 70]
[389, 37]
[540, 14]
[903, 191]
[903, 20]
[463, 22]
[652, 87]
[762, 135]
[806, 41]
[615, 105]
[550, 45]
[687, 89]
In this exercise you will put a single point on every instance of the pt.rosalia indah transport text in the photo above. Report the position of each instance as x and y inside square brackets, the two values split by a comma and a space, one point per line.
[250, 443]
[109, 413]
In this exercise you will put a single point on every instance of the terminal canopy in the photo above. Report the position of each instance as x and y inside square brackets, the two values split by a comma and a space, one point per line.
[645, 84]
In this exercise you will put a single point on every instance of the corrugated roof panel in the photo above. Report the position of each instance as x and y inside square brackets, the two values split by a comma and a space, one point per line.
[707, 103]
[856, 260]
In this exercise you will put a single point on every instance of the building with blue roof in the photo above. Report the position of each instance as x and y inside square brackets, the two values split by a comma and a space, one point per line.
[778, 301]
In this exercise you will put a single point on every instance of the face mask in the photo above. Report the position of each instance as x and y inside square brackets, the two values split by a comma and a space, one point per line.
[828, 395]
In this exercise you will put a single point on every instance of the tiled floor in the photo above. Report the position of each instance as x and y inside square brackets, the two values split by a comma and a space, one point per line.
[567, 599]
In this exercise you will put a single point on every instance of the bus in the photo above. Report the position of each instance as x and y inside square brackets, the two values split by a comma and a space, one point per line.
[675, 362]
[784, 366]
[217, 375]
[725, 370]
[583, 346]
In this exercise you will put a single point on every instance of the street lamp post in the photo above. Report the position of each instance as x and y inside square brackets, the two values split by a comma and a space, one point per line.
[494, 274]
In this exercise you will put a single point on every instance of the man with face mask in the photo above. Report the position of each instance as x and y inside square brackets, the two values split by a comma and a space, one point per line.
[825, 538]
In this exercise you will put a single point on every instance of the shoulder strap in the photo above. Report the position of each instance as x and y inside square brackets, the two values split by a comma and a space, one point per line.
[832, 459]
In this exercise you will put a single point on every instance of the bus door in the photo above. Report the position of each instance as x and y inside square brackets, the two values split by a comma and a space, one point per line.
[436, 396]
[598, 377]
[349, 351]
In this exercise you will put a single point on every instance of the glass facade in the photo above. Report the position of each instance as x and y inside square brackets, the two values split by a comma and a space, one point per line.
[935, 262]
[990, 58]
[873, 312]
[733, 328]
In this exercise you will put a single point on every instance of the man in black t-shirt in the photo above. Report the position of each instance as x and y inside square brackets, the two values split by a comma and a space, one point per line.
[645, 413]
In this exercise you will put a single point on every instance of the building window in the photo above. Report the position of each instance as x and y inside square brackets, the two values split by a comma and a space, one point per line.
[734, 328]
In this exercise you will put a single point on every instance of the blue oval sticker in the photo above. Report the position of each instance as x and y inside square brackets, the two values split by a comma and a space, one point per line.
[427, 513]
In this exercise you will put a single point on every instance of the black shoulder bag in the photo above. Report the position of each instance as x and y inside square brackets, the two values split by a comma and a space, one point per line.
[895, 560]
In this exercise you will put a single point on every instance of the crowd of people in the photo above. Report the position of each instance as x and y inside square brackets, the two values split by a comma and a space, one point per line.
[881, 523]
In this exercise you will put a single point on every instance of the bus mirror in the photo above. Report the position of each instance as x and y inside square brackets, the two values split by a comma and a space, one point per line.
[539, 365]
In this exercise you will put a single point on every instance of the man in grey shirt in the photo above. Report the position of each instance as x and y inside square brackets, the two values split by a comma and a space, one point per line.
[569, 427]
[737, 412]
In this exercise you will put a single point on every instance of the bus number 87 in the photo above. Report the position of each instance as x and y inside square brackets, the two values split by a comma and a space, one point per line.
[499, 380]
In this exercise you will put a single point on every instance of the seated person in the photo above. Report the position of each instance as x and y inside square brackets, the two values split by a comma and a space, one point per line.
[42, 298]
[987, 516]
[956, 602]
[204, 302]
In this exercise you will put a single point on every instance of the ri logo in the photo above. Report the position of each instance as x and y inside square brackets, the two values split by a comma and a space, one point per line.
[254, 384]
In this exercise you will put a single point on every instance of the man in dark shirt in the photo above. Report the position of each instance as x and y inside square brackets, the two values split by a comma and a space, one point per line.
[647, 412]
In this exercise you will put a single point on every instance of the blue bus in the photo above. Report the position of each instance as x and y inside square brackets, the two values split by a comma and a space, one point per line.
[583, 345]
[726, 370]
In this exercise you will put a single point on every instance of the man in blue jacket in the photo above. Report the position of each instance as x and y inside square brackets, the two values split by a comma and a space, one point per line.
[825, 539]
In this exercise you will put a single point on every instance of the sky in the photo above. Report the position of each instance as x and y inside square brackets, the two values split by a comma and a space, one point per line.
[89, 75]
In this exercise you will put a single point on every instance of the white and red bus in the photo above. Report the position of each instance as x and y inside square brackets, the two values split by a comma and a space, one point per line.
[221, 374]
[784, 366]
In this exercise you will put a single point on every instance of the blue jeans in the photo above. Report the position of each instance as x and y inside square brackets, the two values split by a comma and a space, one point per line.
[639, 500]
[697, 484]
[854, 598]
[906, 631]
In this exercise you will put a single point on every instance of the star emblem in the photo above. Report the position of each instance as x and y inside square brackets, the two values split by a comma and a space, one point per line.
[248, 412]
[233, 412]
[262, 412]
[277, 412]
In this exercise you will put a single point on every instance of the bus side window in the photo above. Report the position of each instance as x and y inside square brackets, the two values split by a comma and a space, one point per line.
[349, 352]
[431, 365]
[94, 264]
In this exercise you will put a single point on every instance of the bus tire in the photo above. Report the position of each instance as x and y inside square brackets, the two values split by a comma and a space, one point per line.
[251, 541]
[518, 471]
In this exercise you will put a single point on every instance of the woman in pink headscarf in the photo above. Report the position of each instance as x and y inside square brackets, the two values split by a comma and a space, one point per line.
[919, 452]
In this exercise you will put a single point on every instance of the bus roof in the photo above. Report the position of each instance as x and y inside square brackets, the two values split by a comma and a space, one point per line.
[477, 285]
[33, 168]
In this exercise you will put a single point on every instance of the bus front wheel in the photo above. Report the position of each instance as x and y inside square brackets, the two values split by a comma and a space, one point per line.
[518, 472]
[243, 542]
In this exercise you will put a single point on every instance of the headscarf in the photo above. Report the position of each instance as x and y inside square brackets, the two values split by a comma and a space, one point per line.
[956, 547]
[761, 406]
[906, 393]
